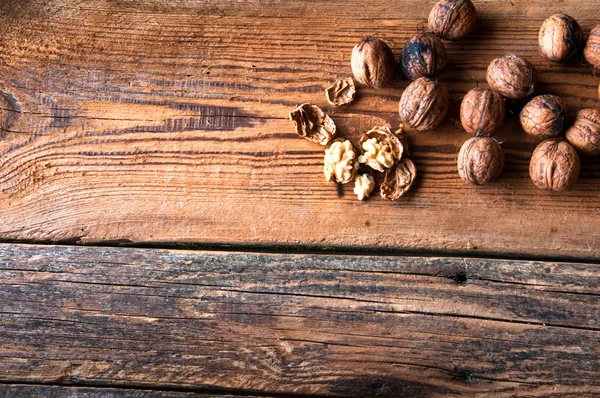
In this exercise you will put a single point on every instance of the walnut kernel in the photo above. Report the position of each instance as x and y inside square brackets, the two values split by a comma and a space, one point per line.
[452, 19]
[591, 52]
[512, 76]
[480, 160]
[364, 185]
[554, 165]
[423, 55]
[545, 116]
[340, 162]
[424, 104]
[381, 148]
[398, 180]
[373, 62]
[482, 111]
[342, 92]
[560, 38]
[313, 124]
[584, 134]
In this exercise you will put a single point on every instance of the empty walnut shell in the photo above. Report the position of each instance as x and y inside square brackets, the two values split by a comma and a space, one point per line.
[545, 116]
[584, 134]
[373, 62]
[560, 38]
[480, 160]
[512, 76]
[452, 19]
[398, 180]
[313, 124]
[482, 111]
[381, 148]
[554, 165]
[424, 104]
[423, 55]
[591, 52]
[342, 92]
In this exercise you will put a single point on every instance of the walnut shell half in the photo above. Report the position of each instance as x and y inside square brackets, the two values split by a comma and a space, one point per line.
[381, 148]
[480, 160]
[554, 165]
[591, 52]
[342, 92]
[545, 116]
[560, 38]
[452, 19]
[313, 124]
[482, 111]
[424, 104]
[512, 76]
[584, 134]
[398, 180]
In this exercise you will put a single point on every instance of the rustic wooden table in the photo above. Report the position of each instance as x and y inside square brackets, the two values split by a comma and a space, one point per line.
[162, 125]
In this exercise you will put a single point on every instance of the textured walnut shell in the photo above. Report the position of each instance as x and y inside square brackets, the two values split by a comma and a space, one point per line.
[591, 52]
[384, 136]
[554, 165]
[560, 38]
[452, 19]
[373, 62]
[480, 160]
[424, 104]
[423, 55]
[512, 76]
[398, 180]
[545, 116]
[482, 111]
[584, 134]
[313, 124]
[342, 92]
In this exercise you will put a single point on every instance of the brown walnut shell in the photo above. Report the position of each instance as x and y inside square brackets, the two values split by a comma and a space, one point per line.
[482, 111]
[452, 19]
[423, 55]
[398, 180]
[424, 104]
[373, 62]
[480, 160]
[512, 76]
[384, 137]
[313, 124]
[342, 92]
[591, 52]
[584, 134]
[560, 38]
[554, 165]
[545, 116]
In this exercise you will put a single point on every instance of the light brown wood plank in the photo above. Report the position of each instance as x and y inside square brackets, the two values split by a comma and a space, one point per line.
[303, 324]
[156, 121]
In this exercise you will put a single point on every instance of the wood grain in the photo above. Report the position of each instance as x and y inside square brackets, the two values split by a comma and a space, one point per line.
[302, 324]
[166, 121]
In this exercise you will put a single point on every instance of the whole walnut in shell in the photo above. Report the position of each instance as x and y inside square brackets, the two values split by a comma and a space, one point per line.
[373, 62]
[545, 116]
[560, 38]
[591, 52]
[512, 76]
[424, 104]
[398, 180]
[584, 134]
[423, 55]
[480, 160]
[482, 111]
[554, 165]
[452, 19]
[313, 124]
[381, 148]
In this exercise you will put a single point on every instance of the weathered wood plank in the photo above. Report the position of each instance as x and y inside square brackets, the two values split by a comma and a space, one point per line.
[304, 324]
[156, 121]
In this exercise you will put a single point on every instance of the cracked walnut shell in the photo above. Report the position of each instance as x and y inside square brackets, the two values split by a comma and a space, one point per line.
[398, 180]
[340, 162]
[480, 160]
[584, 134]
[342, 92]
[545, 116]
[560, 38]
[452, 19]
[313, 124]
[373, 62]
[482, 111]
[512, 76]
[423, 55]
[554, 165]
[591, 52]
[424, 104]
[364, 184]
[381, 148]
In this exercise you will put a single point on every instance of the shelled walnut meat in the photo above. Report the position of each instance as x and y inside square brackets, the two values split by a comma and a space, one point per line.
[560, 38]
[584, 134]
[591, 52]
[452, 19]
[342, 92]
[341, 164]
[424, 104]
[381, 148]
[482, 111]
[373, 62]
[313, 124]
[512, 76]
[545, 116]
[364, 184]
[423, 55]
[480, 160]
[398, 180]
[554, 165]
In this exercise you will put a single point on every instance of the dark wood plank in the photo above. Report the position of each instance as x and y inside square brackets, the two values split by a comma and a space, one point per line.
[156, 121]
[304, 324]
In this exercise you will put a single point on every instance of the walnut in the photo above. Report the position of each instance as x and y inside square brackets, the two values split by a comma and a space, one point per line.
[423, 55]
[591, 52]
[480, 160]
[512, 76]
[482, 111]
[554, 165]
[313, 124]
[398, 180]
[381, 148]
[545, 116]
[364, 185]
[424, 104]
[373, 62]
[342, 92]
[584, 134]
[560, 38]
[340, 162]
[452, 19]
